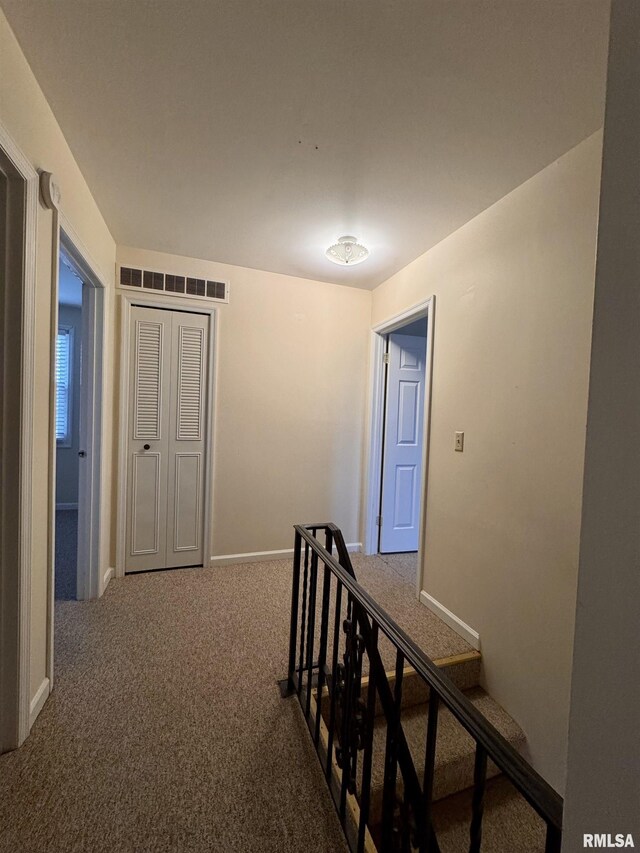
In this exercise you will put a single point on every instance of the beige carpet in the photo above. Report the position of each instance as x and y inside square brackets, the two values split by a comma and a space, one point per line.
[391, 580]
[404, 565]
[166, 731]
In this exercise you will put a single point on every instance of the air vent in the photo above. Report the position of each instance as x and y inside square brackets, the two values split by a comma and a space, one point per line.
[174, 283]
[196, 287]
[153, 280]
[216, 289]
[178, 285]
[130, 278]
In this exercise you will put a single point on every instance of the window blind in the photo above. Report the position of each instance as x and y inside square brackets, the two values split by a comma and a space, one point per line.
[63, 384]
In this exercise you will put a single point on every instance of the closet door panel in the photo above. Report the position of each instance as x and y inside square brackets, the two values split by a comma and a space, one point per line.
[186, 448]
[149, 391]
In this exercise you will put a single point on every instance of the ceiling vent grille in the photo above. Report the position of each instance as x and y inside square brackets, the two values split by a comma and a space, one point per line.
[178, 285]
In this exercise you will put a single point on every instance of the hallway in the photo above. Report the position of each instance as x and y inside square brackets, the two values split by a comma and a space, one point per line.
[166, 730]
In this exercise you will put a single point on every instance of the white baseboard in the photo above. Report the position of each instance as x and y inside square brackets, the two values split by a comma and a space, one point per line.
[67, 506]
[260, 556]
[107, 577]
[42, 694]
[453, 621]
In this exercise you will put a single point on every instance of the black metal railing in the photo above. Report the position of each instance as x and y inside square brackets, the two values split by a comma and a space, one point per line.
[341, 719]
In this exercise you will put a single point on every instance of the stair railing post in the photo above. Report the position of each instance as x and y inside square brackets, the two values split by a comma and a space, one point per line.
[303, 624]
[391, 758]
[429, 769]
[350, 630]
[334, 678]
[293, 627]
[365, 792]
[322, 656]
[311, 617]
[477, 804]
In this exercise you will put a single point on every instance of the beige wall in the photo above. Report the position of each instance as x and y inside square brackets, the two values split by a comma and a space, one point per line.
[291, 386]
[603, 780]
[27, 117]
[514, 293]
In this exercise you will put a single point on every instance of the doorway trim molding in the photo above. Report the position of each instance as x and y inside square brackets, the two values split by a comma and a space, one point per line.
[373, 472]
[171, 302]
[15, 640]
[92, 417]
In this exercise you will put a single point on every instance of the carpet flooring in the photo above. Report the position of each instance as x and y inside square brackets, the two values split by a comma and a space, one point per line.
[391, 580]
[404, 565]
[166, 731]
[66, 554]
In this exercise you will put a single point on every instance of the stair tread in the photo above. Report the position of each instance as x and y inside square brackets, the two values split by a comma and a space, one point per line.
[455, 749]
[509, 822]
[463, 670]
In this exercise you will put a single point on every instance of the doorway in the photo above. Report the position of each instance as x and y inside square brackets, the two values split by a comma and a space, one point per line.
[400, 498]
[167, 430]
[77, 389]
[76, 427]
[401, 363]
[70, 450]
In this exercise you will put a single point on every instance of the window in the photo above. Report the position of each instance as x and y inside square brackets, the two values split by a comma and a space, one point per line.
[64, 356]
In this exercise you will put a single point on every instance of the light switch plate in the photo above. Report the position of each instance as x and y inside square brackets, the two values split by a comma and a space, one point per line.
[459, 445]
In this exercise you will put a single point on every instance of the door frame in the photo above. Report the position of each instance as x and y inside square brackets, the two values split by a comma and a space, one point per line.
[91, 413]
[92, 417]
[16, 539]
[373, 472]
[150, 300]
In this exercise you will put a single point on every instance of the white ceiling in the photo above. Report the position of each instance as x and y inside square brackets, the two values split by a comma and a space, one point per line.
[256, 132]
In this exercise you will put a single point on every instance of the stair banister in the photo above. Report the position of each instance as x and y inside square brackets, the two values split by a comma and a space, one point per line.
[365, 621]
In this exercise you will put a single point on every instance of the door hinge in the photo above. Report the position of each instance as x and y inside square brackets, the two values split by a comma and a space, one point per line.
[379, 521]
[385, 358]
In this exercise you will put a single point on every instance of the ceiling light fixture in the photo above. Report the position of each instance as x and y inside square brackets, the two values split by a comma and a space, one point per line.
[347, 252]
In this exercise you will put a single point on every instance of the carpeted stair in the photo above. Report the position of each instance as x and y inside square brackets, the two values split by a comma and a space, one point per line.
[509, 823]
[455, 750]
[463, 669]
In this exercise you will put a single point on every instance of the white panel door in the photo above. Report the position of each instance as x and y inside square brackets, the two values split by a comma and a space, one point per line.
[402, 452]
[166, 442]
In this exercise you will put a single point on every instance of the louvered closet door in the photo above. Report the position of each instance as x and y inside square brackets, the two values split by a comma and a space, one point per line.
[166, 458]
[150, 360]
[185, 487]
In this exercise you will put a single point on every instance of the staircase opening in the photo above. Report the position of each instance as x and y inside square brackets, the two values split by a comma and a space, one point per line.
[415, 754]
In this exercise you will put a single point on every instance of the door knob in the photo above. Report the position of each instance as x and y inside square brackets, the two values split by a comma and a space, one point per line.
[82, 453]
[147, 447]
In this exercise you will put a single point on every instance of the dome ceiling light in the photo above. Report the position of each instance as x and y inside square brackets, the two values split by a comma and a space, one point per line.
[347, 252]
